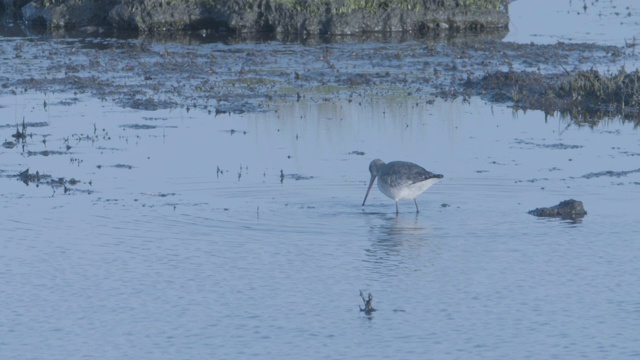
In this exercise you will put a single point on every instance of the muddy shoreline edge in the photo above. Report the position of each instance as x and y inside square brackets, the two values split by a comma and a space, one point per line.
[229, 77]
[448, 62]
[336, 17]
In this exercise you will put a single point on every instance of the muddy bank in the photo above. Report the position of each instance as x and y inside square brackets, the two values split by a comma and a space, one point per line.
[237, 76]
[280, 16]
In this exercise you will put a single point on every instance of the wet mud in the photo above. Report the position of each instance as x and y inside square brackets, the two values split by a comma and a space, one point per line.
[236, 78]
[250, 75]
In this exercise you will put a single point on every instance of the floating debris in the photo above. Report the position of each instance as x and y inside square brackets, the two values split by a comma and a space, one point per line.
[117, 166]
[558, 146]
[532, 180]
[138, 126]
[368, 304]
[20, 135]
[27, 177]
[298, 177]
[159, 194]
[9, 144]
[45, 153]
[27, 124]
[38, 179]
[233, 131]
[610, 173]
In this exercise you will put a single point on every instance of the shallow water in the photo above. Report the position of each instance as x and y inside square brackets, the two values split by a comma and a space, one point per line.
[574, 21]
[190, 235]
[171, 259]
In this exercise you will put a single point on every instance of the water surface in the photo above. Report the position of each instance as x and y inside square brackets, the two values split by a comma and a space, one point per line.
[549, 21]
[173, 259]
[190, 235]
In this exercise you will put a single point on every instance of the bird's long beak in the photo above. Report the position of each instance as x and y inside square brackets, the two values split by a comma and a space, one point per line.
[368, 189]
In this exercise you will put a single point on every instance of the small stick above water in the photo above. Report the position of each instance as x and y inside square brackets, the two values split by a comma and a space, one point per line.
[368, 304]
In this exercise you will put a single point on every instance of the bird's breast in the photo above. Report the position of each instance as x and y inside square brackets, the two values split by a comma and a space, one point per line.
[401, 191]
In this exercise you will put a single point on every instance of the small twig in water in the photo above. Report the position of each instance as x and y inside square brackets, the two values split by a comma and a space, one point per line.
[368, 304]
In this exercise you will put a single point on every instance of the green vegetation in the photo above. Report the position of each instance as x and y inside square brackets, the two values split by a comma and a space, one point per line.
[346, 6]
[585, 94]
[482, 4]
[620, 89]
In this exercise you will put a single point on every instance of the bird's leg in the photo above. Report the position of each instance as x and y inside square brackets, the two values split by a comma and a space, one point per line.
[397, 212]
[415, 202]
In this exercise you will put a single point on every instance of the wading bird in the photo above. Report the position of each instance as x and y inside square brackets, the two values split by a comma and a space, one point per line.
[401, 180]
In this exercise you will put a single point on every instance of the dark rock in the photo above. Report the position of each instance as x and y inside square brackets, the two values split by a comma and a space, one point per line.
[568, 209]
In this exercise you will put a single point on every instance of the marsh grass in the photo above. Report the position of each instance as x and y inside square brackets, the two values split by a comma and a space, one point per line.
[347, 6]
[614, 90]
[586, 94]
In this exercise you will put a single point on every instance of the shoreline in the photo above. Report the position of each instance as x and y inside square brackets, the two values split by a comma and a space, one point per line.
[307, 17]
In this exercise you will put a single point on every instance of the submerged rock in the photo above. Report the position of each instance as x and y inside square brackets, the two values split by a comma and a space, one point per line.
[568, 209]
